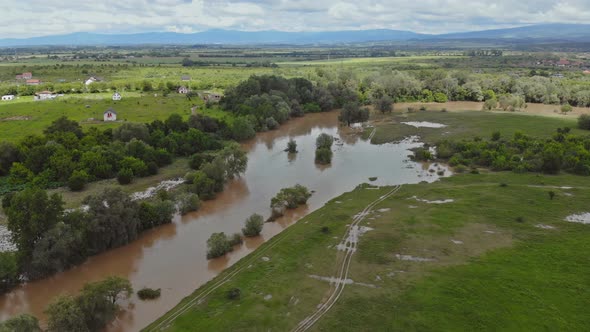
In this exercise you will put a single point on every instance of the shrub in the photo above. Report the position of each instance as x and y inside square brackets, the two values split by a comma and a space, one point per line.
[218, 245]
[78, 180]
[291, 146]
[325, 230]
[551, 194]
[566, 108]
[520, 219]
[234, 294]
[188, 203]
[289, 198]
[235, 239]
[148, 293]
[125, 176]
[152, 168]
[423, 108]
[422, 154]
[323, 156]
[324, 141]
[253, 225]
[584, 121]
[271, 123]
[496, 136]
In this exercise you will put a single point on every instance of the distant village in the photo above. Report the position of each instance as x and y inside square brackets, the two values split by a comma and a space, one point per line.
[110, 114]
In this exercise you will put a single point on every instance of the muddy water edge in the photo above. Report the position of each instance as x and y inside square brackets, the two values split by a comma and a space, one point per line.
[172, 257]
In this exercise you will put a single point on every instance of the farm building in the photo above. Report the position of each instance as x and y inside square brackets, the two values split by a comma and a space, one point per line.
[7, 97]
[45, 95]
[185, 78]
[183, 90]
[33, 82]
[116, 96]
[211, 97]
[110, 115]
[24, 76]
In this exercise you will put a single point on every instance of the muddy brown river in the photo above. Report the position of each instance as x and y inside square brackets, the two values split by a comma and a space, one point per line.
[172, 257]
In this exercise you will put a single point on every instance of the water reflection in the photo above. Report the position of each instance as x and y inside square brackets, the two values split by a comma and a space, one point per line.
[173, 257]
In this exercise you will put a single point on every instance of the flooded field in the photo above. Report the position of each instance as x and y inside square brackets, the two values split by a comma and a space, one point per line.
[172, 257]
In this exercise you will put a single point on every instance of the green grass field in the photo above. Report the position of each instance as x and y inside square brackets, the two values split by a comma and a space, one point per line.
[505, 275]
[24, 117]
[467, 124]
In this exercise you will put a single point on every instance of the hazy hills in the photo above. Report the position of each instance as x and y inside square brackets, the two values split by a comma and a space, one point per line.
[562, 32]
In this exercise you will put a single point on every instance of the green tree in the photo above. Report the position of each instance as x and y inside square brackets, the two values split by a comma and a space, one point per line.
[289, 198]
[490, 104]
[324, 141]
[64, 314]
[78, 180]
[20, 174]
[9, 271]
[566, 108]
[291, 146]
[130, 130]
[112, 220]
[242, 129]
[9, 154]
[323, 156]
[353, 113]
[218, 245]
[584, 121]
[125, 176]
[64, 125]
[253, 225]
[21, 323]
[60, 248]
[188, 203]
[384, 104]
[32, 213]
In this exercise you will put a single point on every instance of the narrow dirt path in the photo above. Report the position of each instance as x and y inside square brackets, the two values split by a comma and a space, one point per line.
[349, 244]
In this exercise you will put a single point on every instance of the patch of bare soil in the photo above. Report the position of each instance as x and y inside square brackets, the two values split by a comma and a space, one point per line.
[16, 118]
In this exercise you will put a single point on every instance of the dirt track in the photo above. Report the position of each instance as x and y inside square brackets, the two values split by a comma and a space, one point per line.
[348, 245]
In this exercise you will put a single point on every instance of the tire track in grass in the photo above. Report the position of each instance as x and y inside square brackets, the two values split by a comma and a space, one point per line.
[349, 243]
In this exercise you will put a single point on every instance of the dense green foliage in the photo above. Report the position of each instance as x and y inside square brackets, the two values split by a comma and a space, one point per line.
[20, 323]
[148, 293]
[253, 225]
[323, 152]
[188, 203]
[9, 271]
[291, 146]
[91, 310]
[50, 240]
[218, 245]
[522, 153]
[353, 113]
[65, 154]
[288, 198]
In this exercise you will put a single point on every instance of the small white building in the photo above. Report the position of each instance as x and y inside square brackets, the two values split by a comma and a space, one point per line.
[45, 95]
[116, 96]
[90, 80]
[110, 115]
[183, 90]
[7, 97]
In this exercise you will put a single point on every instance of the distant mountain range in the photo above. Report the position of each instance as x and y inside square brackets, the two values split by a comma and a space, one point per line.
[562, 32]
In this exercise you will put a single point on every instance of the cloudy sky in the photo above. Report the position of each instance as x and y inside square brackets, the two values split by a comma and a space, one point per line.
[26, 18]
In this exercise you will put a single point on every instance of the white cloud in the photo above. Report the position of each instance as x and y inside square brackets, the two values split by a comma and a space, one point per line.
[44, 17]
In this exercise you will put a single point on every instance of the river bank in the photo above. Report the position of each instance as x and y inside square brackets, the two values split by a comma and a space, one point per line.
[180, 247]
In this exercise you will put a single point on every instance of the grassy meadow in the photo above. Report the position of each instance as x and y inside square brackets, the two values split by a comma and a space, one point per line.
[487, 268]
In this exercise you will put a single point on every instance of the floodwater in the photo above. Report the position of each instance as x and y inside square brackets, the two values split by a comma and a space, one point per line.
[172, 257]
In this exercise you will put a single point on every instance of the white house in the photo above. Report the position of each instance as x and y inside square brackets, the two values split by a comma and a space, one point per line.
[7, 97]
[45, 95]
[91, 80]
[110, 115]
[183, 90]
[116, 96]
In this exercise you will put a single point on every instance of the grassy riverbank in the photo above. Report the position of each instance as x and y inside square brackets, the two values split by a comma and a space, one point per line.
[479, 262]
[466, 124]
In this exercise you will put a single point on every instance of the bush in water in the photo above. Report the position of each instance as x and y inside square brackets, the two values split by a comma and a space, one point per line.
[253, 225]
